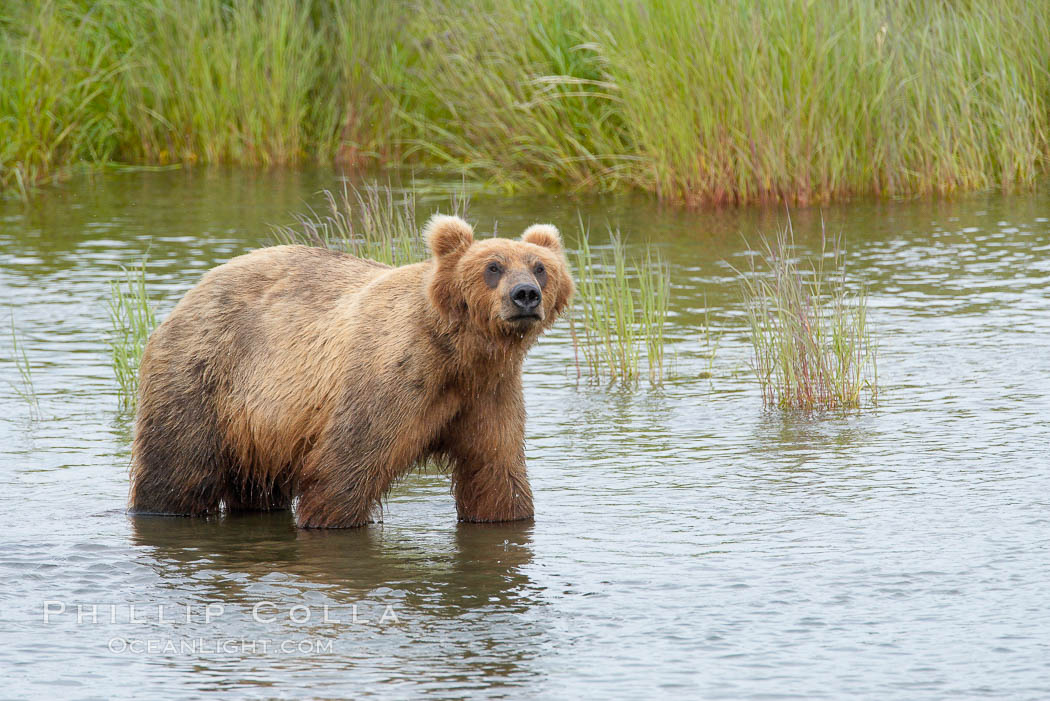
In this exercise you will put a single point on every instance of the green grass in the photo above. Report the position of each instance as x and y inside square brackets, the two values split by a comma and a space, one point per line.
[376, 222]
[654, 292]
[516, 93]
[258, 82]
[132, 320]
[620, 314]
[59, 104]
[813, 348]
[795, 100]
[806, 101]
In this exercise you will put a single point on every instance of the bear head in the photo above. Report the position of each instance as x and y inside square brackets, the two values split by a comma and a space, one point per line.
[508, 289]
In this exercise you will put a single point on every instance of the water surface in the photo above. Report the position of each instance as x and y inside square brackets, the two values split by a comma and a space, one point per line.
[685, 539]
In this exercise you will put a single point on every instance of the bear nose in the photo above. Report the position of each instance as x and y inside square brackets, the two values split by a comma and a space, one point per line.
[525, 296]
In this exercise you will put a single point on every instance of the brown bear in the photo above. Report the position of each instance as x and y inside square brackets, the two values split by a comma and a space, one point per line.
[306, 374]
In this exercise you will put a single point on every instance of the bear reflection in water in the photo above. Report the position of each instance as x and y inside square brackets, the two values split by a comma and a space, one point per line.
[242, 560]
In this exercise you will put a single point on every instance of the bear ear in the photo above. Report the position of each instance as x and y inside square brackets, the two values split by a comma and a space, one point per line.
[543, 235]
[445, 235]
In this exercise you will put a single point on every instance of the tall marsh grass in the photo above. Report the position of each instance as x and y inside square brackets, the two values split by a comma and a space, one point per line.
[813, 347]
[517, 92]
[60, 96]
[620, 314]
[804, 101]
[132, 319]
[695, 102]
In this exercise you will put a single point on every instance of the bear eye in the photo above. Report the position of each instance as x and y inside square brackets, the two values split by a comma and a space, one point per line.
[492, 273]
[541, 274]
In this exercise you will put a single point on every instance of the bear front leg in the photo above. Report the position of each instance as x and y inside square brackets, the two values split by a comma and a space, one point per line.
[341, 496]
[487, 448]
[340, 487]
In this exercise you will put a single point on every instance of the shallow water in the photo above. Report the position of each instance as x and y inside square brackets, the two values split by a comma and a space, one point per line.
[685, 538]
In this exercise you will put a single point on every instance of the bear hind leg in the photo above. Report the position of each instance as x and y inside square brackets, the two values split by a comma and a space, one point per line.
[178, 464]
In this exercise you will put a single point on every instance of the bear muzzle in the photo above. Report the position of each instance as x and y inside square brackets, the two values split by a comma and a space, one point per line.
[525, 303]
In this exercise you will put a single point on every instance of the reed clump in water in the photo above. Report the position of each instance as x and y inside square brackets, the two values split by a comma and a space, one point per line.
[375, 222]
[132, 320]
[620, 314]
[812, 344]
[797, 100]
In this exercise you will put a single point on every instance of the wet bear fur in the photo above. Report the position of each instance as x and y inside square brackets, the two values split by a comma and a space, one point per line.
[306, 375]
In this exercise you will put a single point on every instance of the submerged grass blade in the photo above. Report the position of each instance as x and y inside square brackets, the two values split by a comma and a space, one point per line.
[25, 389]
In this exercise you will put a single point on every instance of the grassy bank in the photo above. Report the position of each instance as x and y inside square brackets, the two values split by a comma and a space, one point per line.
[695, 102]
